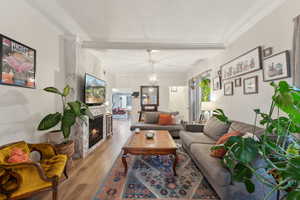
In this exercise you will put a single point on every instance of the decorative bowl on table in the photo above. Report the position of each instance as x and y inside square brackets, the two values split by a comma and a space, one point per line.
[150, 135]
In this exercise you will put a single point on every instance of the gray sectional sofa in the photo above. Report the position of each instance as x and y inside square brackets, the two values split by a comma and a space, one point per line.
[151, 123]
[198, 145]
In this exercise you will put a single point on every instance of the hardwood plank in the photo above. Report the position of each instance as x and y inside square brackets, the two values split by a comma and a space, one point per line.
[87, 174]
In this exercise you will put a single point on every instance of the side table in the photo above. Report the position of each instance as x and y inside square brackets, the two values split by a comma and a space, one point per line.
[194, 127]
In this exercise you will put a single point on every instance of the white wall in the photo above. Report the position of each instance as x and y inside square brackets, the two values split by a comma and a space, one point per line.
[21, 109]
[165, 80]
[275, 31]
[178, 101]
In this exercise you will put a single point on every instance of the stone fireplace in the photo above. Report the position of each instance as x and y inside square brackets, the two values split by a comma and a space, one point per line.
[88, 136]
[95, 130]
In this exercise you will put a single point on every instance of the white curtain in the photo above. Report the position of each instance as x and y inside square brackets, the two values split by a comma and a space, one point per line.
[296, 53]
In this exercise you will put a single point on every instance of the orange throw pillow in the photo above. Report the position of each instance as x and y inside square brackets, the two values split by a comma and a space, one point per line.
[220, 153]
[17, 155]
[165, 119]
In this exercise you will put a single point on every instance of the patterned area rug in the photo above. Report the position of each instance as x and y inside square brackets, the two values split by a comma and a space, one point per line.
[151, 178]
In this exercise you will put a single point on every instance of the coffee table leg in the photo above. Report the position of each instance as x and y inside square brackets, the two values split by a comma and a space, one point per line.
[124, 162]
[175, 163]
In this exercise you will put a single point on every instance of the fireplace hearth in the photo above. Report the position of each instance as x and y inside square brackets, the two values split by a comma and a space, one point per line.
[95, 130]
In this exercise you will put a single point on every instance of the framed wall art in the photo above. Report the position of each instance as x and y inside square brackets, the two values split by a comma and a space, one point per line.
[228, 88]
[268, 52]
[217, 83]
[251, 85]
[277, 66]
[17, 63]
[248, 62]
[238, 82]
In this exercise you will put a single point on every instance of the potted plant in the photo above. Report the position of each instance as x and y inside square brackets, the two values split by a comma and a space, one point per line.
[71, 111]
[277, 146]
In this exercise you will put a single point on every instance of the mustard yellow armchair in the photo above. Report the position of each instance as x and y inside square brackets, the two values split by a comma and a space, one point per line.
[20, 180]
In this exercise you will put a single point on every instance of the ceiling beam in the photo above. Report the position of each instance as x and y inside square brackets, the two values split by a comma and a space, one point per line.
[153, 46]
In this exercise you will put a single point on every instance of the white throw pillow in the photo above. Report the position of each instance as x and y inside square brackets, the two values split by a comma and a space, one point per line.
[251, 135]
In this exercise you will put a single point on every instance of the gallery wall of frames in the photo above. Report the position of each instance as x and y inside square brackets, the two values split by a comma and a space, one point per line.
[232, 74]
[17, 63]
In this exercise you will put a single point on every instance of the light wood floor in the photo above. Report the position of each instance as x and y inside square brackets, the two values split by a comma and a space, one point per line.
[87, 175]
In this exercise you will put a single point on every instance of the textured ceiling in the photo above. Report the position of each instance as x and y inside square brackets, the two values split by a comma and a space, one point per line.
[155, 21]
[130, 61]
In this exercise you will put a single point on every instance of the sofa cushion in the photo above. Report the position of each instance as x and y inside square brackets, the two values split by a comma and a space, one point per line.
[244, 128]
[144, 126]
[151, 117]
[211, 167]
[214, 128]
[165, 119]
[189, 138]
[220, 153]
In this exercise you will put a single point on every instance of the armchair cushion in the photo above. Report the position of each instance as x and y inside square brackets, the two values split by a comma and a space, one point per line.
[47, 150]
[54, 166]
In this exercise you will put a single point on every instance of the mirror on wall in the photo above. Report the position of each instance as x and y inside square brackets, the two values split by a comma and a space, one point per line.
[149, 95]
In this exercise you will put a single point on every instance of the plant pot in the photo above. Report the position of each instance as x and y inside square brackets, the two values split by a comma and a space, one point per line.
[67, 148]
[55, 137]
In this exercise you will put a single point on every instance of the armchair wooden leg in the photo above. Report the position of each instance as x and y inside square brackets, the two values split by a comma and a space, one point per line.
[55, 189]
[66, 173]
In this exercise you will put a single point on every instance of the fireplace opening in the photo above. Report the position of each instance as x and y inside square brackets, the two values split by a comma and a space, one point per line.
[95, 130]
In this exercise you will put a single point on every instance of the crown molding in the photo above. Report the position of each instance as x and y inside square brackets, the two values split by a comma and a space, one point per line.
[59, 18]
[250, 19]
[157, 46]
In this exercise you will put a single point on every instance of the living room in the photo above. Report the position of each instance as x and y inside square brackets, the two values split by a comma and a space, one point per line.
[150, 100]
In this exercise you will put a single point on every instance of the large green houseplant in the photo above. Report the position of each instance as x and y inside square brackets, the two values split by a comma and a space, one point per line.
[277, 146]
[67, 118]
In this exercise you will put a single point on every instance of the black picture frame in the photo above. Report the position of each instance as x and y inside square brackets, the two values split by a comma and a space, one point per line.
[257, 50]
[255, 82]
[231, 88]
[287, 66]
[22, 53]
[238, 82]
[217, 83]
[267, 52]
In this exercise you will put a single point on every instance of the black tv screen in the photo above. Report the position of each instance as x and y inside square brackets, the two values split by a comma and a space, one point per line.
[95, 90]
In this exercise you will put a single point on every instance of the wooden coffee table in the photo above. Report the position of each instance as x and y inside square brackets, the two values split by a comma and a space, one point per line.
[161, 144]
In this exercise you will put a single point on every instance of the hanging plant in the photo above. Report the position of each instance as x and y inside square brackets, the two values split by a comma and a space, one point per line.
[205, 90]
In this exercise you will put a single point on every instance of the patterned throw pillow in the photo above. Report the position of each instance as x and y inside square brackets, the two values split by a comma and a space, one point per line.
[220, 153]
[17, 155]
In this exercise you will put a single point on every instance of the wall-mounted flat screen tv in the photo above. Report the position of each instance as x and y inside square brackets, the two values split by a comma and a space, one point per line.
[95, 90]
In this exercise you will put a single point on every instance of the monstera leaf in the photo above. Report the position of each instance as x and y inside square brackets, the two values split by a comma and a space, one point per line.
[294, 195]
[220, 115]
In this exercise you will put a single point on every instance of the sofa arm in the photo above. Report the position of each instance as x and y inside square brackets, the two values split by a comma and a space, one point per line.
[46, 150]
